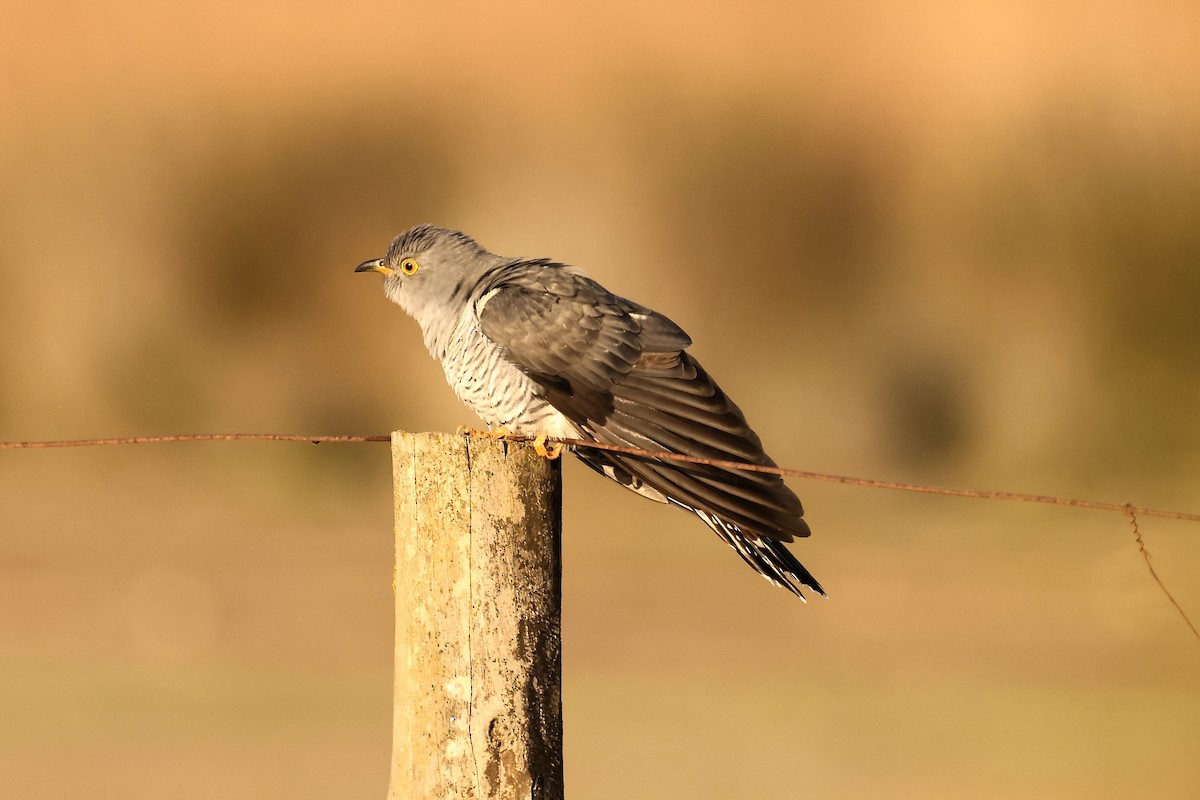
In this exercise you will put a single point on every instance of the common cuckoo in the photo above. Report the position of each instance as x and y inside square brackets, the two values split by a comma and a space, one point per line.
[537, 348]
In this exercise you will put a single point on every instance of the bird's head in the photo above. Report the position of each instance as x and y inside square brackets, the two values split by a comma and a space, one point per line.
[430, 271]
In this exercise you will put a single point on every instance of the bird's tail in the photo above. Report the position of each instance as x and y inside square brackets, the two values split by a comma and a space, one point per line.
[768, 557]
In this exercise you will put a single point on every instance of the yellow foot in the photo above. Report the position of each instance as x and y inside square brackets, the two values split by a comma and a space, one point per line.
[552, 452]
[495, 433]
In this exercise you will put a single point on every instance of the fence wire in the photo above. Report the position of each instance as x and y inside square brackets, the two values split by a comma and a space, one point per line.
[1128, 509]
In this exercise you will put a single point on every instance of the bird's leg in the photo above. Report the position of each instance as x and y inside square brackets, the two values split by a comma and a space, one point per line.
[494, 433]
[552, 452]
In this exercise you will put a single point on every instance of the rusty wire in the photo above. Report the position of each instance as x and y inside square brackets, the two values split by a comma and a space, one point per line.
[1121, 508]
[1128, 509]
[1132, 512]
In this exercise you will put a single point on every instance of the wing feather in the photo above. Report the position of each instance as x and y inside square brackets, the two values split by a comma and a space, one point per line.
[620, 372]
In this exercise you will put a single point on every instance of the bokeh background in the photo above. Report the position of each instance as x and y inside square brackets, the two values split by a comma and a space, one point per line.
[944, 242]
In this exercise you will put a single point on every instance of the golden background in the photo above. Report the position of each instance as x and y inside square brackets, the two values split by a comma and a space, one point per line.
[943, 242]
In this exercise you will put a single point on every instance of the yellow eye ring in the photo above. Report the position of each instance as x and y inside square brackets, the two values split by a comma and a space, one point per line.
[409, 266]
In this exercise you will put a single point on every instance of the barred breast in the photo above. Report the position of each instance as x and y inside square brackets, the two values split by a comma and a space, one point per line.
[493, 388]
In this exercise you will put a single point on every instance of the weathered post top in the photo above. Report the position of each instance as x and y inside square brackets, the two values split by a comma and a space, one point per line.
[478, 708]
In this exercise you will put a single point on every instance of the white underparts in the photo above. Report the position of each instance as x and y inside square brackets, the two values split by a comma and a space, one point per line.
[491, 386]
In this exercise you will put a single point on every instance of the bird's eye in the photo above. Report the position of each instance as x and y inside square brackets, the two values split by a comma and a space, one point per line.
[409, 266]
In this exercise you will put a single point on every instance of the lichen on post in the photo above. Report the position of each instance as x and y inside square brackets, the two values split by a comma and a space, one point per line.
[478, 708]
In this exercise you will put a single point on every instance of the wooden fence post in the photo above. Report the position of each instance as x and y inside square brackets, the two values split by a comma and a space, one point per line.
[478, 703]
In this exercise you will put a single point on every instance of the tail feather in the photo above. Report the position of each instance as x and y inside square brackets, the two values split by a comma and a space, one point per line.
[767, 557]
[668, 402]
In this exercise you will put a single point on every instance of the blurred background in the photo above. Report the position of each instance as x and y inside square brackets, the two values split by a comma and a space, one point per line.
[940, 242]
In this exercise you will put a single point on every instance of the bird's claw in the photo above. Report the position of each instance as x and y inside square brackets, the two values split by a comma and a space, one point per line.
[495, 433]
[552, 452]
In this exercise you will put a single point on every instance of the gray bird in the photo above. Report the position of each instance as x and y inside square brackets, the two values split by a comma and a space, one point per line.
[539, 349]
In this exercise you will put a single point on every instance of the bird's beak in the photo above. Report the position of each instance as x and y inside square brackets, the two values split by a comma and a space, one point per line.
[375, 265]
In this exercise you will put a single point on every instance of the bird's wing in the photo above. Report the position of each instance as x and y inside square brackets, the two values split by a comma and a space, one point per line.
[571, 336]
[620, 373]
